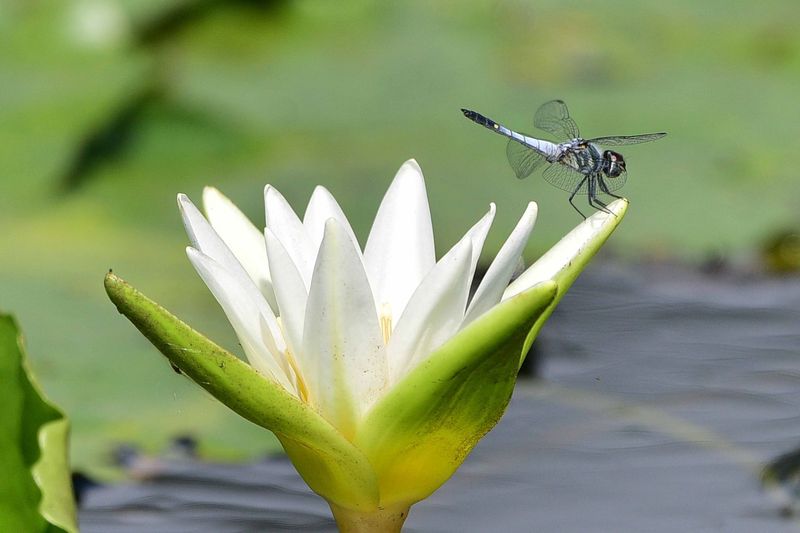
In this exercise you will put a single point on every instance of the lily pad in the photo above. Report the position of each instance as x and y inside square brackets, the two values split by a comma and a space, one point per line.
[35, 489]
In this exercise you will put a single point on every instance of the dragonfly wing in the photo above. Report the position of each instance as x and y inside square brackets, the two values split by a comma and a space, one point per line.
[611, 184]
[565, 178]
[523, 160]
[620, 140]
[553, 117]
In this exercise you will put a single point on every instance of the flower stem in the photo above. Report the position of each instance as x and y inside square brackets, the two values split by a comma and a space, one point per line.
[379, 521]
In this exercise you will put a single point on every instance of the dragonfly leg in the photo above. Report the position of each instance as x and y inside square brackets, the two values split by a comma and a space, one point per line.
[604, 187]
[603, 207]
[571, 196]
[593, 200]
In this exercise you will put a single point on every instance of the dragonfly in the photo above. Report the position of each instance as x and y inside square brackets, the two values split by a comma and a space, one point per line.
[576, 165]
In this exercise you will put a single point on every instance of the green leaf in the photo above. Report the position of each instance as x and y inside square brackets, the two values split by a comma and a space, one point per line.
[35, 486]
[331, 465]
[424, 428]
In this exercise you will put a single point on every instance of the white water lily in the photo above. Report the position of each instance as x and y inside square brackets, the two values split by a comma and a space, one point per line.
[334, 326]
[375, 369]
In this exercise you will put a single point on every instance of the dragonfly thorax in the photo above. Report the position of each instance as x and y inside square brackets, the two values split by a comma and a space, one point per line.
[613, 164]
[582, 156]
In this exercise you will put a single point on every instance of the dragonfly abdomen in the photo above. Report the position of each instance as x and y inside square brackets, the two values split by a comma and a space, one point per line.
[550, 150]
[486, 122]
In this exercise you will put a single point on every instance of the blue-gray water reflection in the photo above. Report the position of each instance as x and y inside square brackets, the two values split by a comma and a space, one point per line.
[664, 393]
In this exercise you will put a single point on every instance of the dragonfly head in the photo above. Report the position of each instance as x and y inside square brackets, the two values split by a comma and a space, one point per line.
[614, 164]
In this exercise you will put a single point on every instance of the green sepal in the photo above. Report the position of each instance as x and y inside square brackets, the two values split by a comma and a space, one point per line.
[332, 466]
[423, 429]
[35, 486]
[588, 246]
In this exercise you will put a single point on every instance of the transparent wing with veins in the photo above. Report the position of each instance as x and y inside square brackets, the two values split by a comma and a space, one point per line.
[621, 140]
[568, 179]
[523, 160]
[553, 117]
[612, 184]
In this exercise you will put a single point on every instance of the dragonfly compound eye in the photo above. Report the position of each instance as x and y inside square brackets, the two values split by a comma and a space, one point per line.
[614, 164]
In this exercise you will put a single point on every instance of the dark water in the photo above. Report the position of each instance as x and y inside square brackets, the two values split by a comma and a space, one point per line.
[664, 392]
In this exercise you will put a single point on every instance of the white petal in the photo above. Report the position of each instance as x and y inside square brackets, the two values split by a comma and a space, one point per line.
[434, 312]
[477, 235]
[286, 226]
[205, 239]
[244, 316]
[342, 336]
[291, 294]
[321, 207]
[399, 250]
[242, 237]
[562, 254]
[502, 268]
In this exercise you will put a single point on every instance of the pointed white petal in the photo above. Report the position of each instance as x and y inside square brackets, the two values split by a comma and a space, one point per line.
[286, 226]
[242, 238]
[560, 256]
[291, 294]
[399, 250]
[321, 207]
[502, 268]
[206, 240]
[433, 313]
[477, 235]
[244, 316]
[342, 336]
[268, 340]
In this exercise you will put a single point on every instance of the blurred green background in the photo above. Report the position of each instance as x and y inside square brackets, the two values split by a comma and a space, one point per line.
[108, 108]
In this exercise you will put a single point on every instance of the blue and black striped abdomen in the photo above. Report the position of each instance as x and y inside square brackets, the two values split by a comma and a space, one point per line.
[486, 122]
[545, 148]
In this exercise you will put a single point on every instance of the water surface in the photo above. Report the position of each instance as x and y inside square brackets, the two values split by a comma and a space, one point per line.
[663, 392]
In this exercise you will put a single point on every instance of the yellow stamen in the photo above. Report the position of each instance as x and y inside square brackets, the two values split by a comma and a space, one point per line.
[302, 387]
[386, 322]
